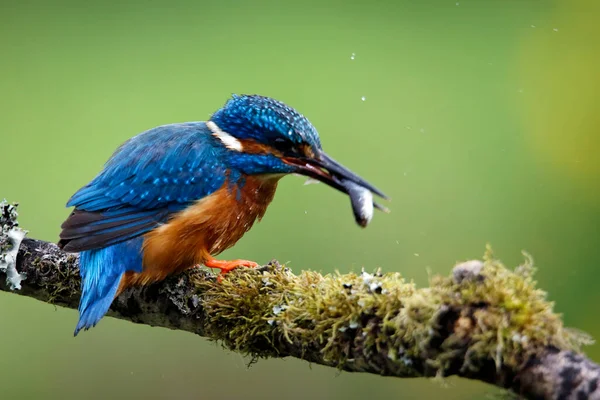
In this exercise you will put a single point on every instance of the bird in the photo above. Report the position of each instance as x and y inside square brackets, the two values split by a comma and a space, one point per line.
[175, 196]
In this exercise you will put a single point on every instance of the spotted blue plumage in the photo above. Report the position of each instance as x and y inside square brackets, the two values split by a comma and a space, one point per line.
[265, 120]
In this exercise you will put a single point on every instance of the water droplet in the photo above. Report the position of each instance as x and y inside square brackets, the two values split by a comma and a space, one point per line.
[406, 173]
[305, 212]
[422, 130]
[408, 127]
[363, 98]
[555, 29]
[416, 254]
[533, 26]
[353, 56]
[520, 90]
[457, 3]
[397, 242]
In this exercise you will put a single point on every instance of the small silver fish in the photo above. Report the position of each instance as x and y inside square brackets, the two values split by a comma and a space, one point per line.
[362, 202]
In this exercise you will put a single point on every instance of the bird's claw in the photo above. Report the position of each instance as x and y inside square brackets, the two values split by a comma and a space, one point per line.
[227, 266]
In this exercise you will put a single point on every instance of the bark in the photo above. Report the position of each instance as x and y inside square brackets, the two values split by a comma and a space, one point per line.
[374, 323]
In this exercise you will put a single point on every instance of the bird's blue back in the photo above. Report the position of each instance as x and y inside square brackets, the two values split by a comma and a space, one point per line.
[162, 167]
[149, 177]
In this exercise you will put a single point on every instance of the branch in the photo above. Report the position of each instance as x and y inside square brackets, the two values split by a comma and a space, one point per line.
[482, 322]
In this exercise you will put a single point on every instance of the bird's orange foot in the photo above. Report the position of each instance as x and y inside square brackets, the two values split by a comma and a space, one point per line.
[226, 266]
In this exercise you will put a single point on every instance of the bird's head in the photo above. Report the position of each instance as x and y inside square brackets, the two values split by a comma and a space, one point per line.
[265, 136]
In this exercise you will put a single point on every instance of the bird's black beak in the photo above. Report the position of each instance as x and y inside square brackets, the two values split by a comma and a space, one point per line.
[325, 169]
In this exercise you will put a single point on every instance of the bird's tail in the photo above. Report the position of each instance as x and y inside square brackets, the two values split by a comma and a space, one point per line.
[101, 272]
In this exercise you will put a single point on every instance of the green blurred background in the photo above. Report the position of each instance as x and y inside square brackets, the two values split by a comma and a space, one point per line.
[480, 119]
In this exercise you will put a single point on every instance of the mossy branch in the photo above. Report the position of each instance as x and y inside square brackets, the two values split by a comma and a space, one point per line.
[482, 322]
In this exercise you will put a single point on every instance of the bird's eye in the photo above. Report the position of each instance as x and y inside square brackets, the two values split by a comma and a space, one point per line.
[285, 146]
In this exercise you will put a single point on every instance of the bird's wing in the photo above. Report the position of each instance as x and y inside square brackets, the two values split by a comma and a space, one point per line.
[149, 177]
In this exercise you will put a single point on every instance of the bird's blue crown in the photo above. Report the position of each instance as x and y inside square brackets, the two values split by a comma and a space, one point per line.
[265, 120]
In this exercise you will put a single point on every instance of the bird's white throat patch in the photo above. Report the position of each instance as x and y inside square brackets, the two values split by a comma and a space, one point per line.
[229, 141]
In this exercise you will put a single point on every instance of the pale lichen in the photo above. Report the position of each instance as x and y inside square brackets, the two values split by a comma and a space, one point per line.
[11, 237]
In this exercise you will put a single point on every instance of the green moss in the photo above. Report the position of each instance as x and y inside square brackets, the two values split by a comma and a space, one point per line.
[513, 318]
[486, 313]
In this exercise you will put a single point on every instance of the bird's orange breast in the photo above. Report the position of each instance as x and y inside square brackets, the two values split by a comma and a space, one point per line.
[206, 228]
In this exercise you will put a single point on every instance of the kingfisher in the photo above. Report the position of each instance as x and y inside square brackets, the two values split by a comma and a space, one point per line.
[175, 196]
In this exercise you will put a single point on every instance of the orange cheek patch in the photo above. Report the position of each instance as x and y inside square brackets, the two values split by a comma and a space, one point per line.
[253, 147]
